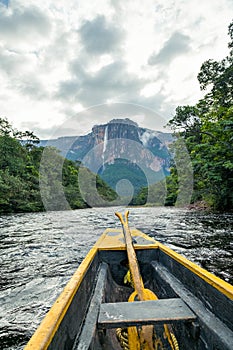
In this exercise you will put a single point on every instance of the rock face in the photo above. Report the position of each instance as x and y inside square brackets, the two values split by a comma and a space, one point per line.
[120, 149]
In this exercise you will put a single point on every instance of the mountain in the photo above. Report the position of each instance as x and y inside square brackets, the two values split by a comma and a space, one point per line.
[120, 152]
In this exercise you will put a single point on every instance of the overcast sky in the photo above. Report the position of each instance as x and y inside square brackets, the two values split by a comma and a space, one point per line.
[67, 65]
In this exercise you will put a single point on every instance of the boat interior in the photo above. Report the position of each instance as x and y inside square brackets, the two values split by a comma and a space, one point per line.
[197, 312]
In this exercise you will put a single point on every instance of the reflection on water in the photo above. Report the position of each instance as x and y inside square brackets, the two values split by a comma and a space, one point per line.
[41, 251]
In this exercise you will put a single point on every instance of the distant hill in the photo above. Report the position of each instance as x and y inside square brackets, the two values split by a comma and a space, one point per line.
[119, 150]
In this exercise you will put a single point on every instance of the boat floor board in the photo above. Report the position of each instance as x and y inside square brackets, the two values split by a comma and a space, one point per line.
[222, 336]
[89, 328]
[140, 313]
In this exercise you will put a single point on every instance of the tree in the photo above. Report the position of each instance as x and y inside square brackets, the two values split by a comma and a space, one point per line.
[207, 129]
[22, 164]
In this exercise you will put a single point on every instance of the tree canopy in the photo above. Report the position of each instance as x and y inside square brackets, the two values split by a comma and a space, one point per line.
[20, 175]
[207, 129]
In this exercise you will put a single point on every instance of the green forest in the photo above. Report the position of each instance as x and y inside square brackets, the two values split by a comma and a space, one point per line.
[20, 161]
[207, 130]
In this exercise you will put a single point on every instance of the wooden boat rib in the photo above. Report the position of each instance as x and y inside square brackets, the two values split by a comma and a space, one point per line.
[93, 305]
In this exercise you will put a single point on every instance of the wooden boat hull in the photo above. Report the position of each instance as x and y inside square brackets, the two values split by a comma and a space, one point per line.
[198, 304]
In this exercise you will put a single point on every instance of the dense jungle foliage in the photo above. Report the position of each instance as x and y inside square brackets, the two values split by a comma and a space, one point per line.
[21, 176]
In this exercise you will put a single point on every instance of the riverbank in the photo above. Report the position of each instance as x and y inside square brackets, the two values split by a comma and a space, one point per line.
[199, 205]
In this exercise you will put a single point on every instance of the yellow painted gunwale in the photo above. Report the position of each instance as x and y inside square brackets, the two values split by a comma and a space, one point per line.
[48, 327]
[117, 242]
[224, 287]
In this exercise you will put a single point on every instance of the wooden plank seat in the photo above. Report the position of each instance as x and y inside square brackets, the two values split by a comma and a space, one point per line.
[112, 315]
[125, 314]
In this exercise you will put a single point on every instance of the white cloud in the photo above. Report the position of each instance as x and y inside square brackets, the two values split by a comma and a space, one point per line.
[57, 58]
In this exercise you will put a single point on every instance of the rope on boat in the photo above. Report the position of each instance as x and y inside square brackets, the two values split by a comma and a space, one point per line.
[122, 336]
[144, 338]
[168, 332]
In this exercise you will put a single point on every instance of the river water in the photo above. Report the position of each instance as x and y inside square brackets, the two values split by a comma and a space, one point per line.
[41, 251]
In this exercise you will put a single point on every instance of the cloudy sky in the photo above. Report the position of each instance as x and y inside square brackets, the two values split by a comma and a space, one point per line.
[67, 65]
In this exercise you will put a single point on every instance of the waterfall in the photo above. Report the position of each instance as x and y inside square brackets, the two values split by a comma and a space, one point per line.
[105, 139]
[105, 144]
